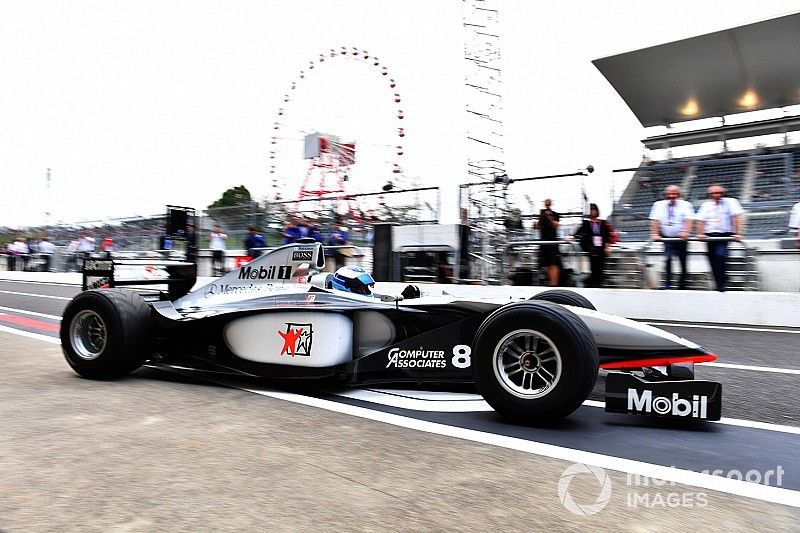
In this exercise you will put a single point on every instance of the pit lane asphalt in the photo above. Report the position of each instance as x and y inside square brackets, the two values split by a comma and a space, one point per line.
[701, 447]
[160, 452]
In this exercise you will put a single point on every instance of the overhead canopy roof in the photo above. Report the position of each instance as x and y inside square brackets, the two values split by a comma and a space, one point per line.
[751, 67]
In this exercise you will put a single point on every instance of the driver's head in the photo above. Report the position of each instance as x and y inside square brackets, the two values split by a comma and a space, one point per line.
[353, 279]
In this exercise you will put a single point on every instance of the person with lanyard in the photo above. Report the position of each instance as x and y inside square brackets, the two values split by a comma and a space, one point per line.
[719, 219]
[594, 237]
[672, 219]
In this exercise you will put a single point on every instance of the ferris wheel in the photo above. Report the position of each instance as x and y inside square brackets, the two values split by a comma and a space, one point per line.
[339, 129]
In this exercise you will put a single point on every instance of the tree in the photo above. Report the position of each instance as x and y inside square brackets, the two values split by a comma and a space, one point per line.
[235, 209]
[235, 196]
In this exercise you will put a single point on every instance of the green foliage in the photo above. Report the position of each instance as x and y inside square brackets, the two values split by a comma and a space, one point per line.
[234, 196]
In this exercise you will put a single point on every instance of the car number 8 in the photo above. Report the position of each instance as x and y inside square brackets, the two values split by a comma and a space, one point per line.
[461, 356]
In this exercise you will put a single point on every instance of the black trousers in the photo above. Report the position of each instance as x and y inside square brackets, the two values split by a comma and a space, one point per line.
[597, 262]
[218, 262]
[672, 249]
[718, 259]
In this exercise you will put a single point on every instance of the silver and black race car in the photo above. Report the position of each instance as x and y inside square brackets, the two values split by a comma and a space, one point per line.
[281, 317]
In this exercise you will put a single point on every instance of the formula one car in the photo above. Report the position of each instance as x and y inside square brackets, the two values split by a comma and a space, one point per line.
[281, 317]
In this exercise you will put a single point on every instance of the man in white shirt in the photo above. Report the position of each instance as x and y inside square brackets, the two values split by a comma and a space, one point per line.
[794, 223]
[719, 217]
[672, 219]
[217, 244]
[47, 249]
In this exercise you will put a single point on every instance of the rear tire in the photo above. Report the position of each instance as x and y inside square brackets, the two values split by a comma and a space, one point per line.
[534, 362]
[564, 297]
[106, 334]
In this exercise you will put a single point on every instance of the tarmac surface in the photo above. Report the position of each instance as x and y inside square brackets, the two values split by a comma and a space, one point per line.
[185, 451]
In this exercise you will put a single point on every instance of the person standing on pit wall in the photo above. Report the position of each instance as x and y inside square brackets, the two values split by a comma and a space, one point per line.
[672, 218]
[216, 241]
[253, 242]
[549, 255]
[594, 237]
[719, 217]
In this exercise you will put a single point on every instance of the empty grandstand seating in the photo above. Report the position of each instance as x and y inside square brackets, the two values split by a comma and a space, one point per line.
[646, 187]
[729, 174]
[764, 183]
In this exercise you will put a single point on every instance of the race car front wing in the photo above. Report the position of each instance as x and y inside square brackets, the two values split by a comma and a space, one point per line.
[684, 399]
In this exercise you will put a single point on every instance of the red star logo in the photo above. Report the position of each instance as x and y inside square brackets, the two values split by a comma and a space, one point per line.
[290, 340]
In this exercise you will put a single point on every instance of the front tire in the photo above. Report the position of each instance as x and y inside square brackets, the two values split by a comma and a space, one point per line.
[105, 334]
[534, 362]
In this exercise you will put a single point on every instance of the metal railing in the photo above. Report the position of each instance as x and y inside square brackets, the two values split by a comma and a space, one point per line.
[741, 271]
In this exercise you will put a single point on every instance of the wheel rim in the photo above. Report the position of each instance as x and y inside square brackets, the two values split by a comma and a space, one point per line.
[527, 364]
[88, 334]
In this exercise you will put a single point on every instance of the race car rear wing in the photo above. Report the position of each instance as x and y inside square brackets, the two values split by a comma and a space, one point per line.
[178, 276]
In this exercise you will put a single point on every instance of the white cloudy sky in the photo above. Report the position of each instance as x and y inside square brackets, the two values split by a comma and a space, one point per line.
[137, 104]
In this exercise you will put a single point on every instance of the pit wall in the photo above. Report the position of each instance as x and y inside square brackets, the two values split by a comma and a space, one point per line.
[769, 309]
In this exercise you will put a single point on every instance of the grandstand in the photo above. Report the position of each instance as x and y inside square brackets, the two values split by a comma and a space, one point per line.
[767, 184]
[716, 76]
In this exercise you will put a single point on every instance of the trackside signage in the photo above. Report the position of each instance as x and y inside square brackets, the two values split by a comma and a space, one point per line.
[626, 393]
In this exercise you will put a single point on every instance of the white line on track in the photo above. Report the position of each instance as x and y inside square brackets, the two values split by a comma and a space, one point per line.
[733, 328]
[36, 282]
[470, 403]
[37, 336]
[32, 313]
[36, 295]
[754, 368]
[687, 477]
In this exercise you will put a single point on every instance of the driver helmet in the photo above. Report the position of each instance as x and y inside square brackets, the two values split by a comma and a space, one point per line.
[353, 279]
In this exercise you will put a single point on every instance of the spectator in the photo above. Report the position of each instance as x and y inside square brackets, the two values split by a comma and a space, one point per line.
[290, 231]
[549, 256]
[672, 218]
[107, 244]
[794, 223]
[315, 233]
[47, 249]
[594, 237]
[513, 223]
[72, 254]
[191, 244]
[217, 244]
[719, 217]
[303, 229]
[85, 244]
[253, 241]
[18, 250]
[165, 242]
[340, 236]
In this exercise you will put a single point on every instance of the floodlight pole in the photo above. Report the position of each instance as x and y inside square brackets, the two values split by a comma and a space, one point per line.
[47, 200]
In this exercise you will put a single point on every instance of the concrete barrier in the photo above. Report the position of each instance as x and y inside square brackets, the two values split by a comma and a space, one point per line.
[779, 309]
[776, 309]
